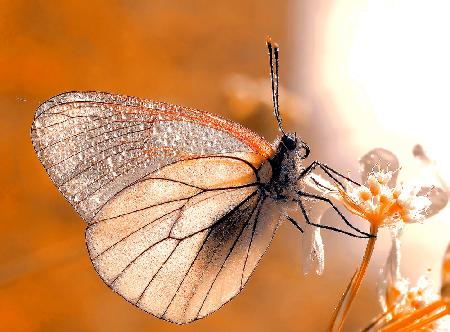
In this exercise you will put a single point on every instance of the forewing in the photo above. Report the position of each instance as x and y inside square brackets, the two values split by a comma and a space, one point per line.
[181, 249]
[93, 145]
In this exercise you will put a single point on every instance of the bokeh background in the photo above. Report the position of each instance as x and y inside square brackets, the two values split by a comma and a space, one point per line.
[356, 74]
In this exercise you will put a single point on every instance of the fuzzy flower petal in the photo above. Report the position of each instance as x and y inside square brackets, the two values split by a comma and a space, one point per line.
[414, 207]
[313, 252]
[376, 159]
[438, 198]
[312, 245]
[438, 191]
[392, 288]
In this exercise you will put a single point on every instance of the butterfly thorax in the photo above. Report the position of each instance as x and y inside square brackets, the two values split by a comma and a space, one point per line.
[287, 165]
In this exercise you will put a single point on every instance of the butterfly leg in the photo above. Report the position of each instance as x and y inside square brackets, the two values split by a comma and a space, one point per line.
[327, 170]
[324, 199]
[295, 223]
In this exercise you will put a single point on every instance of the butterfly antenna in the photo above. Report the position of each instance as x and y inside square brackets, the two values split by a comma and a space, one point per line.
[274, 77]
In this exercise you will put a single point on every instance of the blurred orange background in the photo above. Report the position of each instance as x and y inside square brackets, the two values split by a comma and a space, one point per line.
[211, 56]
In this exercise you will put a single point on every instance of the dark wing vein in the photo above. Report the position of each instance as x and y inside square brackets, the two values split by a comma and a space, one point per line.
[180, 208]
[174, 200]
[151, 222]
[98, 143]
[154, 276]
[189, 269]
[81, 133]
[139, 229]
[145, 208]
[123, 170]
[136, 258]
[185, 183]
[202, 200]
[223, 264]
[93, 165]
[217, 224]
[251, 241]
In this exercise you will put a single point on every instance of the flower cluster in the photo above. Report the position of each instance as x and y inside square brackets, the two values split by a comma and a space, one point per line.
[415, 307]
[383, 205]
[408, 307]
[396, 294]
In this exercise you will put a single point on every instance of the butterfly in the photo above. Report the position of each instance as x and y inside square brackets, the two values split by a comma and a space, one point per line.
[180, 204]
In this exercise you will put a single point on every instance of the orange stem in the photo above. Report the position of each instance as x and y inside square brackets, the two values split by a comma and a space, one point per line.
[343, 308]
[415, 316]
[425, 322]
[378, 319]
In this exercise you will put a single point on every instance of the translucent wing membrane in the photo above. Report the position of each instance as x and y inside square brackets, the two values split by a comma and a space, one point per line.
[177, 219]
[95, 144]
[183, 248]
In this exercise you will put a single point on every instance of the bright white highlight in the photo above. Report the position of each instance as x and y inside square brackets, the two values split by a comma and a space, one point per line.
[386, 65]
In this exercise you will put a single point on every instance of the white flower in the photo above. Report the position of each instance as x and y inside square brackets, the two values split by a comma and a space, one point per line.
[380, 200]
[414, 205]
[313, 251]
[438, 190]
[380, 203]
[392, 288]
[402, 301]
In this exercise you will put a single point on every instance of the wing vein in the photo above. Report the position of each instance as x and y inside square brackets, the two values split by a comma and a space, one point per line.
[145, 208]
[87, 132]
[176, 181]
[223, 219]
[135, 259]
[137, 230]
[89, 167]
[251, 239]
[223, 264]
[190, 266]
[105, 176]
[154, 276]
[98, 143]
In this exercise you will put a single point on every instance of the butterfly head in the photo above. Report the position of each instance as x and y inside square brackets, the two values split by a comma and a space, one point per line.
[294, 144]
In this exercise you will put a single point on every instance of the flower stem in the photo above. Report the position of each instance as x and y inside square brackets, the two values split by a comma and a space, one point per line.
[426, 322]
[415, 320]
[343, 308]
[378, 319]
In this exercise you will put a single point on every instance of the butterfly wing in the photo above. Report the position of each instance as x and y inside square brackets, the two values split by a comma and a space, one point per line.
[177, 220]
[181, 251]
[94, 144]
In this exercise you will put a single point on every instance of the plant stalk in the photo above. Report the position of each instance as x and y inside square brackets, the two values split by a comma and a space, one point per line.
[343, 308]
[414, 320]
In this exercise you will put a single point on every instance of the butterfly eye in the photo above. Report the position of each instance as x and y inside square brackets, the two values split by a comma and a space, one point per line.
[289, 142]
